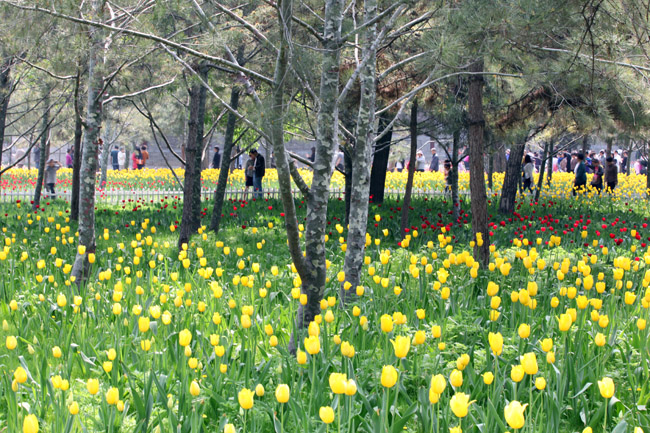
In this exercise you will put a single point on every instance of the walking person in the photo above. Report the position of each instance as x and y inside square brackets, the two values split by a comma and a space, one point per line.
[115, 160]
[420, 162]
[447, 172]
[580, 175]
[144, 156]
[216, 158]
[434, 165]
[611, 174]
[258, 174]
[50, 176]
[121, 159]
[528, 173]
[597, 180]
[136, 158]
[69, 161]
[249, 170]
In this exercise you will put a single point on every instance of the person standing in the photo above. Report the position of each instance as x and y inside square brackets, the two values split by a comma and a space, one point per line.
[69, 161]
[144, 156]
[136, 158]
[611, 174]
[50, 176]
[121, 159]
[597, 180]
[420, 162]
[216, 159]
[434, 165]
[580, 174]
[249, 171]
[258, 174]
[115, 157]
[624, 162]
[447, 173]
[528, 173]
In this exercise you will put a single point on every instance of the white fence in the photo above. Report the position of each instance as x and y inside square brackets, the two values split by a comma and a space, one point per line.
[148, 196]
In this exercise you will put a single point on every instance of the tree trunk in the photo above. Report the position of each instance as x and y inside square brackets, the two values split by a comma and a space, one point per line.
[511, 180]
[76, 156]
[477, 170]
[609, 141]
[585, 145]
[313, 272]
[222, 182]
[361, 156]
[91, 142]
[542, 168]
[349, 169]
[551, 152]
[406, 203]
[490, 171]
[380, 161]
[191, 219]
[455, 202]
[5, 94]
[45, 134]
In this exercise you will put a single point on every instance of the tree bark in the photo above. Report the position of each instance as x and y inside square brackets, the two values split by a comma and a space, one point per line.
[512, 179]
[191, 218]
[312, 269]
[477, 169]
[5, 94]
[609, 141]
[222, 182]
[406, 203]
[91, 142]
[585, 145]
[76, 156]
[360, 160]
[380, 161]
[348, 168]
[551, 152]
[455, 202]
[36, 203]
[490, 171]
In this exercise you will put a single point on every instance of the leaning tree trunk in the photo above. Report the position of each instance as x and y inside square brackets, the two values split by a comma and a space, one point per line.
[5, 95]
[313, 273]
[453, 173]
[542, 168]
[91, 142]
[191, 219]
[222, 182]
[76, 156]
[511, 180]
[477, 169]
[380, 161]
[348, 169]
[45, 134]
[361, 157]
[406, 203]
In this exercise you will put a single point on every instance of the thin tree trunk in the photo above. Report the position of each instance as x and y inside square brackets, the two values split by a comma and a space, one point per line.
[490, 171]
[455, 202]
[5, 94]
[380, 161]
[76, 156]
[609, 141]
[36, 203]
[542, 168]
[511, 180]
[222, 182]
[585, 144]
[348, 169]
[477, 170]
[313, 273]
[549, 175]
[191, 219]
[360, 161]
[406, 203]
[91, 142]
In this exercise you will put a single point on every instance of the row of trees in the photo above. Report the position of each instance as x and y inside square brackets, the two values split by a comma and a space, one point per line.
[344, 74]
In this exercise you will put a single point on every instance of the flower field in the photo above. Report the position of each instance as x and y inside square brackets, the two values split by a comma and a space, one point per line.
[552, 336]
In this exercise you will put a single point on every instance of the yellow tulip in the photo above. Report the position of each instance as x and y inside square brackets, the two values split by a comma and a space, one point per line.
[514, 414]
[184, 337]
[386, 323]
[459, 404]
[326, 414]
[30, 424]
[496, 343]
[606, 387]
[438, 383]
[312, 344]
[92, 386]
[112, 396]
[401, 345]
[388, 376]
[456, 378]
[282, 393]
[529, 363]
[245, 398]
